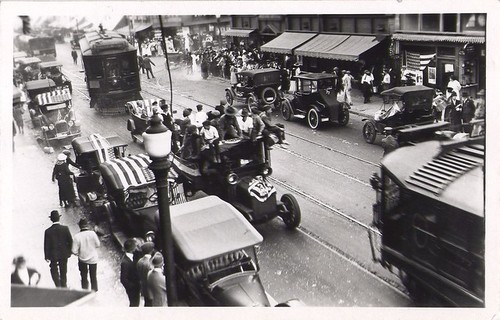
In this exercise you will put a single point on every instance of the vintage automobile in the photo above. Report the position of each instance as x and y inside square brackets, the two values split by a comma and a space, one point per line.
[407, 106]
[316, 101]
[52, 70]
[429, 220]
[215, 255]
[240, 178]
[256, 86]
[90, 152]
[51, 109]
[28, 68]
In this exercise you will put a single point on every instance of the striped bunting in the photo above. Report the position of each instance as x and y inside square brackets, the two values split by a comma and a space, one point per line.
[417, 61]
[53, 97]
[101, 145]
[130, 171]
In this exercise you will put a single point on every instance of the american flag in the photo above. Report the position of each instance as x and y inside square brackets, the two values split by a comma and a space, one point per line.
[417, 61]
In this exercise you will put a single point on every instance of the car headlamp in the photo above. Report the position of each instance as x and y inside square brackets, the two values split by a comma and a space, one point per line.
[267, 171]
[71, 123]
[51, 127]
[232, 178]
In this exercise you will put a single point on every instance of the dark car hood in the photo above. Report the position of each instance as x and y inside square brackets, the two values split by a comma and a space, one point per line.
[244, 291]
[328, 99]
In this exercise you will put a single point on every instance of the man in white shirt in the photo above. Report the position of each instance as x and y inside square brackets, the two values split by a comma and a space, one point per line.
[246, 124]
[455, 86]
[200, 116]
[367, 83]
[347, 85]
[85, 244]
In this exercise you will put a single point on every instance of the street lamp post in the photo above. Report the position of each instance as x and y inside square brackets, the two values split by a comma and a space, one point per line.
[157, 142]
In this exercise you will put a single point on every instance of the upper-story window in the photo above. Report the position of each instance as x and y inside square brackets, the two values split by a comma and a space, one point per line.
[473, 22]
[430, 22]
[450, 22]
[409, 22]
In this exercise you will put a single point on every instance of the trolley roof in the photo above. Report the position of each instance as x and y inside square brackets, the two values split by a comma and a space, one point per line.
[209, 227]
[96, 43]
[450, 172]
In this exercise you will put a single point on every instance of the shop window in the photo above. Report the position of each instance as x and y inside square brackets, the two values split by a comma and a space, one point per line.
[446, 51]
[449, 22]
[306, 25]
[473, 22]
[380, 25]
[294, 23]
[348, 25]
[409, 22]
[430, 22]
[363, 25]
[245, 22]
[332, 25]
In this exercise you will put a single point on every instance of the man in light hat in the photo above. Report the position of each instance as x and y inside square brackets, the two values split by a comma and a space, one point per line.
[228, 125]
[129, 277]
[57, 248]
[156, 282]
[85, 244]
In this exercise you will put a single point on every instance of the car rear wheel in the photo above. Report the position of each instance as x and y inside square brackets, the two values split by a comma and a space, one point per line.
[229, 97]
[344, 116]
[269, 95]
[313, 119]
[292, 216]
[286, 110]
[369, 132]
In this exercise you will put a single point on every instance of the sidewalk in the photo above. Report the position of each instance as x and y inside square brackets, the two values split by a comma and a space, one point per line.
[366, 110]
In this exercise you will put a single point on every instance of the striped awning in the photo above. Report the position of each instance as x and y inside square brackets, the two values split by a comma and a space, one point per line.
[243, 33]
[321, 46]
[126, 172]
[53, 97]
[337, 46]
[286, 42]
[438, 38]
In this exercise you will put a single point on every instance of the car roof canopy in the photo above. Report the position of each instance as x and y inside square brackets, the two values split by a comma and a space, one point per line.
[315, 76]
[400, 91]
[40, 84]
[209, 227]
[53, 97]
[85, 144]
[28, 60]
[50, 64]
[126, 172]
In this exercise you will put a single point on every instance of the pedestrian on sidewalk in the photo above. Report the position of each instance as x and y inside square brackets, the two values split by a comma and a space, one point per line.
[129, 277]
[74, 54]
[17, 114]
[57, 248]
[85, 244]
[366, 85]
[347, 84]
[156, 282]
[144, 265]
[23, 274]
[147, 65]
[140, 61]
[386, 84]
[63, 174]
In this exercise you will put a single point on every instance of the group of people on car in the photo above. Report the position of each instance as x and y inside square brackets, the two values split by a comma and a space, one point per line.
[203, 132]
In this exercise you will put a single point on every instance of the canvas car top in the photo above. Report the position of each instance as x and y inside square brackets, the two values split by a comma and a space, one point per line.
[40, 84]
[50, 64]
[209, 227]
[315, 76]
[28, 60]
[262, 76]
[84, 144]
[400, 91]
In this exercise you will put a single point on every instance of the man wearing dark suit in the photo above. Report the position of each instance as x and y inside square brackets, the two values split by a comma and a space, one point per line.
[129, 277]
[57, 247]
[156, 282]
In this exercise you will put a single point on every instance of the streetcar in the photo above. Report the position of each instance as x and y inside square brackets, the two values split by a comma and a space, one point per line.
[111, 71]
[429, 220]
[42, 47]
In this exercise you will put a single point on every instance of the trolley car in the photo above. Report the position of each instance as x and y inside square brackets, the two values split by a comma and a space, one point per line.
[429, 220]
[111, 71]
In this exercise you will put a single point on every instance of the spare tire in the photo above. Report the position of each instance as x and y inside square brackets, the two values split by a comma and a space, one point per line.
[269, 95]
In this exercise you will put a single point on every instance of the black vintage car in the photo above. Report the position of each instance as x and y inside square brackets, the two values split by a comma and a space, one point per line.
[242, 179]
[52, 70]
[404, 107]
[316, 101]
[256, 86]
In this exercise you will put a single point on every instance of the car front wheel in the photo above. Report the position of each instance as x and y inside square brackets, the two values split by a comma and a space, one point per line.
[369, 132]
[344, 116]
[313, 119]
[292, 216]
[286, 110]
[229, 98]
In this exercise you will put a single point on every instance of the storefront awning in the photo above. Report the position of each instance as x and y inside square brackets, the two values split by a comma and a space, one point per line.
[286, 42]
[321, 46]
[141, 27]
[438, 38]
[337, 47]
[243, 33]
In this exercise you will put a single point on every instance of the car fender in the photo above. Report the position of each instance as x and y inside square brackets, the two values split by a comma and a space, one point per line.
[130, 125]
